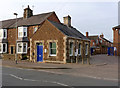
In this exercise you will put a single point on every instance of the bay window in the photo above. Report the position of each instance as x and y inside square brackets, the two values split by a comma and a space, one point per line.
[71, 48]
[52, 49]
[22, 47]
[22, 31]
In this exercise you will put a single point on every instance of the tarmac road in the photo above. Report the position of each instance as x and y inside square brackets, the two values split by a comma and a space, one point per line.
[27, 77]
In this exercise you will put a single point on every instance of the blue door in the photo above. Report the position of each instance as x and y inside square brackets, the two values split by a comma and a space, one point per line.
[111, 51]
[39, 53]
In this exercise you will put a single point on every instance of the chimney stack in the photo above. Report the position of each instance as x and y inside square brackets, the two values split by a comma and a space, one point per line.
[67, 20]
[102, 36]
[87, 34]
[27, 12]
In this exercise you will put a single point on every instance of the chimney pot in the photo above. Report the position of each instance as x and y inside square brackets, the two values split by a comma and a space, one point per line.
[102, 36]
[87, 34]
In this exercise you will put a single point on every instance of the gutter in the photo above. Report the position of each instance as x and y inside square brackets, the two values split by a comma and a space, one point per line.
[78, 38]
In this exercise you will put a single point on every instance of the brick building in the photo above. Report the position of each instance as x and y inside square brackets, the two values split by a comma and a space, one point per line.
[99, 44]
[43, 38]
[116, 38]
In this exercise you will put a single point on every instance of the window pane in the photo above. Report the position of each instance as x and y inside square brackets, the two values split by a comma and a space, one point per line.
[24, 33]
[4, 33]
[24, 47]
[53, 51]
[52, 48]
[53, 45]
[19, 47]
[71, 48]
[79, 49]
[86, 49]
[20, 34]
[4, 47]
[71, 45]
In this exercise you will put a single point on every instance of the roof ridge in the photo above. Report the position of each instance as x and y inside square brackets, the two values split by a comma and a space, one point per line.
[31, 16]
[44, 13]
[11, 19]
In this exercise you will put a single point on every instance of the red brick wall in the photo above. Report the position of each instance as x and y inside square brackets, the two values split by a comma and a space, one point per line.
[11, 37]
[54, 18]
[116, 40]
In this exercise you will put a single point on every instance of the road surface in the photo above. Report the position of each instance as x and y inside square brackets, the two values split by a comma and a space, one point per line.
[27, 77]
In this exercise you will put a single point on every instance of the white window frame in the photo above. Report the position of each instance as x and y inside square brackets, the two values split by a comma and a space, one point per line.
[22, 29]
[72, 49]
[2, 33]
[52, 48]
[25, 30]
[79, 48]
[86, 49]
[22, 48]
[5, 30]
[2, 48]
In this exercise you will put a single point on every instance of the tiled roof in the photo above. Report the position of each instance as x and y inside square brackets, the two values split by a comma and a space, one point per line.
[35, 19]
[117, 27]
[93, 37]
[106, 40]
[69, 31]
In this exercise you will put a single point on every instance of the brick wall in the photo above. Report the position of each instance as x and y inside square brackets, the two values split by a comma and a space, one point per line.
[48, 33]
[54, 18]
[116, 40]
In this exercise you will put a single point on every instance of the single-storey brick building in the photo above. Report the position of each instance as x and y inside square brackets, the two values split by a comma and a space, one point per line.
[43, 38]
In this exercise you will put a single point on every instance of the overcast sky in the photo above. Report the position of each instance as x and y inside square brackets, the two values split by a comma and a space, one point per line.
[94, 16]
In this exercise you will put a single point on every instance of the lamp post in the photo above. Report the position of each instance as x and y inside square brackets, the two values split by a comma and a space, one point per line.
[16, 39]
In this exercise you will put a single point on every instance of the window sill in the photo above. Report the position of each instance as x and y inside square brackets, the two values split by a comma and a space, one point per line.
[52, 55]
[21, 52]
[71, 55]
[3, 52]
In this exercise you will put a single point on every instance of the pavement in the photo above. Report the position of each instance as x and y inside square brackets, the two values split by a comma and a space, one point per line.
[102, 67]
